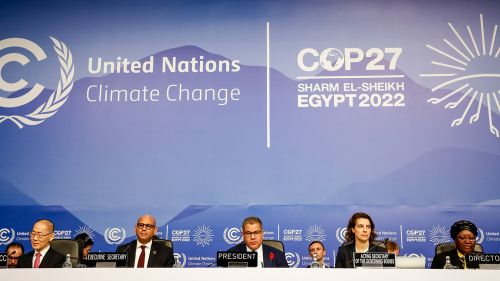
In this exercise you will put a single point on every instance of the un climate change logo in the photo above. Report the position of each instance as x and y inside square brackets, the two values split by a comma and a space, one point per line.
[4, 237]
[290, 259]
[113, 236]
[58, 97]
[341, 232]
[182, 259]
[233, 236]
[480, 236]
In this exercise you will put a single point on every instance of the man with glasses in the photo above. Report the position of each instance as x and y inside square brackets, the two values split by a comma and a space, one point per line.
[14, 251]
[464, 235]
[253, 234]
[144, 252]
[43, 255]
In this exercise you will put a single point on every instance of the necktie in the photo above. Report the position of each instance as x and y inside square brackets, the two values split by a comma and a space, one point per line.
[140, 263]
[37, 260]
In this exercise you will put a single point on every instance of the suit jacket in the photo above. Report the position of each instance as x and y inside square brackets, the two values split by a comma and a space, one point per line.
[279, 259]
[52, 259]
[440, 260]
[345, 254]
[159, 256]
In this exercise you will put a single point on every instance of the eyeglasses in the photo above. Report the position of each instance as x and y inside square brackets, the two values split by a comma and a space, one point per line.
[33, 234]
[470, 238]
[256, 234]
[148, 226]
[13, 259]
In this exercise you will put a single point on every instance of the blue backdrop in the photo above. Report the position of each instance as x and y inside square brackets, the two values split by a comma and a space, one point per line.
[202, 113]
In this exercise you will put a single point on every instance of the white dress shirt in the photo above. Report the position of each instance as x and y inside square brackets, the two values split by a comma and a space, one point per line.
[365, 251]
[260, 255]
[43, 252]
[138, 252]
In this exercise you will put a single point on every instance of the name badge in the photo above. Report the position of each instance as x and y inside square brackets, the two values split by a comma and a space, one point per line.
[385, 260]
[119, 258]
[474, 260]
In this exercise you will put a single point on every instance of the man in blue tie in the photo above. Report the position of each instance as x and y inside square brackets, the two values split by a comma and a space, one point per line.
[253, 234]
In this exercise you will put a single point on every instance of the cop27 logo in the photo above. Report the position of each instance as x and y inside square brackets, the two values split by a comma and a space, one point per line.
[4, 236]
[292, 259]
[58, 97]
[439, 235]
[113, 236]
[315, 233]
[233, 236]
[463, 63]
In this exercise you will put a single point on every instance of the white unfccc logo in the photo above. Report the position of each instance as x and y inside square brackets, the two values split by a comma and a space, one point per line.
[4, 236]
[480, 236]
[113, 236]
[182, 259]
[58, 97]
[290, 259]
[233, 236]
[414, 256]
[341, 232]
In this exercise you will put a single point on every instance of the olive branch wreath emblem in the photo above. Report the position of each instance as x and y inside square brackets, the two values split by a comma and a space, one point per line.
[58, 97]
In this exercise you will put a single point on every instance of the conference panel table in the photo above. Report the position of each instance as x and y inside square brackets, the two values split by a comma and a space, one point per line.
[245, 274]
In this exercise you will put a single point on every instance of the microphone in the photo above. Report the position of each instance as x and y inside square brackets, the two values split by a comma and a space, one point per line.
[127, 248]
[380, 243]
[13, 252]
[211, 264]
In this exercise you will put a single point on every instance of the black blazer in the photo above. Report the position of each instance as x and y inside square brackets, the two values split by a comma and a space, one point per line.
[345, 254]
[159, 256]
[440, 260]
[279, 259]
[52, 259]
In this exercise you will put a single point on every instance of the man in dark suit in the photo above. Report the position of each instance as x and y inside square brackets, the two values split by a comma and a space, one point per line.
[144, 252]
[14, 250]
[316, 247]
[43, 255]
[253, 234]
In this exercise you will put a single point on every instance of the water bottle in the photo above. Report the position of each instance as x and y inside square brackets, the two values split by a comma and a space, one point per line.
[448, 264]
[315, 263]
[67, 263]
[177, 264]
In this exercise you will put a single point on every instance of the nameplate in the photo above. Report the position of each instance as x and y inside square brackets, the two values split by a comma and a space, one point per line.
[3, 259]
[223, 258]
[474, 260]
[119, 258]
[374, 260]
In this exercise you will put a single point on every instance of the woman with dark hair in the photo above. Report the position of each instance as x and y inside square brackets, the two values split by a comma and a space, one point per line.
[464, 235]
[361, 233]
[85, 244]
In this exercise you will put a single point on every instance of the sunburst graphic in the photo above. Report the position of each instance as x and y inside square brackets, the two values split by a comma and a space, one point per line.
[85, 229]
[315, 233]
[203, 236]
[439, 235]
[465, 79]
